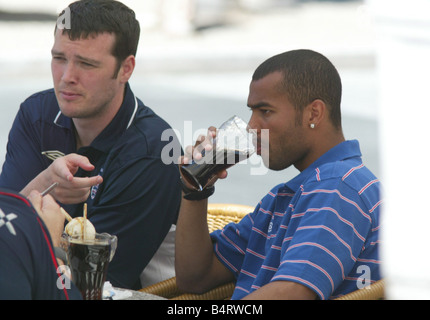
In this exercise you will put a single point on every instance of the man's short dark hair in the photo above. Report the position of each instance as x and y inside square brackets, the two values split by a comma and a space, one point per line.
[93, 17]
[308, 76]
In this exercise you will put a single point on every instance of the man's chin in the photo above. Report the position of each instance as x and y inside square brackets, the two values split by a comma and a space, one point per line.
[275, 165]
[68, 111]
[265, 157]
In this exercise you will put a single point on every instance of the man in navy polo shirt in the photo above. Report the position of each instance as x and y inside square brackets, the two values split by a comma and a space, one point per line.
[110, 140]
[316, 236]
[28, 267]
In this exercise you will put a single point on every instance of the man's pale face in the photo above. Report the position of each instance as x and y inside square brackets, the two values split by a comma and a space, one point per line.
[83, 73]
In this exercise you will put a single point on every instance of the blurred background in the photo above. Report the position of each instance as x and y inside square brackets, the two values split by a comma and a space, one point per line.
[195, 61]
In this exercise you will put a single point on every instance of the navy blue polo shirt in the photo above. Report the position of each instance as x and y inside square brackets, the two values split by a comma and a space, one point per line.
[28, 267]
[139, 198]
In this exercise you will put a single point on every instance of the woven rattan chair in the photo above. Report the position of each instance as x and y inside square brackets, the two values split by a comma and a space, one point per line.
[169, 290]
[219, 214]
[376, 291]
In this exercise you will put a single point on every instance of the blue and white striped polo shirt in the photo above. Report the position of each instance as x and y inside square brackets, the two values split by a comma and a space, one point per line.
[320, 229]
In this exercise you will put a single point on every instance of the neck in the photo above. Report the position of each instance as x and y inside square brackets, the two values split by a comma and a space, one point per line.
[88, 128]
[85, 135]
[321, 143]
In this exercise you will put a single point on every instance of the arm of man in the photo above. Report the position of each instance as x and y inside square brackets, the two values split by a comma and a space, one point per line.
[27, 235]
[197, 267]
[70, 189]
[26, 169]
[282, 290]
[50, 213]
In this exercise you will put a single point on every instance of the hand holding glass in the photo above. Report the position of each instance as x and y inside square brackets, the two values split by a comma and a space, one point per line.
[232, 144]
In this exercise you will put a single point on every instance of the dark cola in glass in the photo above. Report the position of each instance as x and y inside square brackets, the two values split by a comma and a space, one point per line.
[88, 261]
[231, 145]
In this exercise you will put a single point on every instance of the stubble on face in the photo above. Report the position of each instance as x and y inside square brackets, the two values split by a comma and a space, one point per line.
[82, 72]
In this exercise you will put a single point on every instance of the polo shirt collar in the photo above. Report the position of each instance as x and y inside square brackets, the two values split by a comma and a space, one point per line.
[344, 150]
[119, 124]
[115, 128]
[62, 121]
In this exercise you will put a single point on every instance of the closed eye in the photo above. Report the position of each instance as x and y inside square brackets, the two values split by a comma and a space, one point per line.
[87, 64]
[263, 111]
[59, 58]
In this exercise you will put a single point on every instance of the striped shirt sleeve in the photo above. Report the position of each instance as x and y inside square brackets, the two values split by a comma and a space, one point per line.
[231, 242]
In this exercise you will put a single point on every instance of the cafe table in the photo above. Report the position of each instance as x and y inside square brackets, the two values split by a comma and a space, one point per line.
[114, 293]
[138, 295]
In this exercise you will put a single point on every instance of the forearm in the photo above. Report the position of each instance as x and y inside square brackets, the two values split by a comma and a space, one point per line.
[193, 249]
[282, 290]
[197, 268]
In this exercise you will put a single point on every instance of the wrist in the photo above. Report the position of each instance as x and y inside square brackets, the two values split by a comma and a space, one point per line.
[200, 195]
[195, 195]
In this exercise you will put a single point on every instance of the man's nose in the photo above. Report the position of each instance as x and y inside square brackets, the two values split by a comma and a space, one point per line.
[69, 73]
[252, 125]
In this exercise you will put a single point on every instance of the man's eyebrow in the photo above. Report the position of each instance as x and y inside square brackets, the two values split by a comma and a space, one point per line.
[56, 53]
[85, 59]
[89, 60]
[258, 105]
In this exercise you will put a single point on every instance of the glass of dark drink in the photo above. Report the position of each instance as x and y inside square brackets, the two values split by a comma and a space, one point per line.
[88, 261]
[232, 144]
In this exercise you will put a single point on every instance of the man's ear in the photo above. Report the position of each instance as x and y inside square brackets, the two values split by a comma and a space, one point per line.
[127, 68]
[314, 113]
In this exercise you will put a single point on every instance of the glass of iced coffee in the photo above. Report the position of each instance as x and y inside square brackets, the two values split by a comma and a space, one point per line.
[88, 260]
